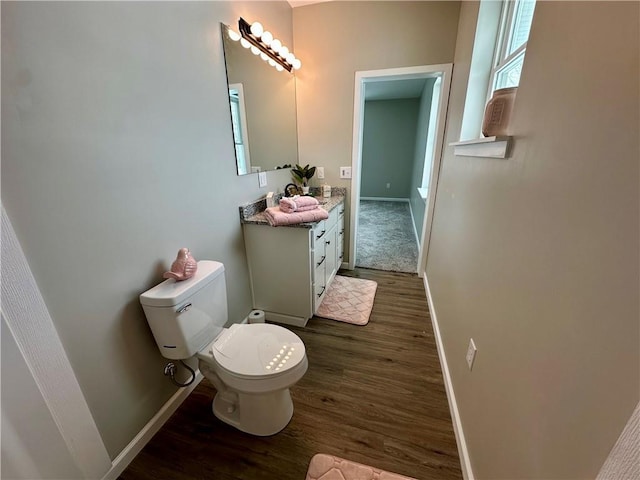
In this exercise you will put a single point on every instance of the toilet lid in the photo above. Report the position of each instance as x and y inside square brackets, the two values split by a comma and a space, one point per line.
[258, 349]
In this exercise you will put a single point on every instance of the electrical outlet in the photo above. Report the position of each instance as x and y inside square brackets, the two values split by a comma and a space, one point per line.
[345, 172]
[320, 172]
[262, 179]
[471, 353]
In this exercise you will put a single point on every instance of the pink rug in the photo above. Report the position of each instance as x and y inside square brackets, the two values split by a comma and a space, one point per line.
[348, 300]
[328, 467]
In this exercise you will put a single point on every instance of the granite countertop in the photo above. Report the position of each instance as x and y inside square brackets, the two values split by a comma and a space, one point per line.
[249, 217]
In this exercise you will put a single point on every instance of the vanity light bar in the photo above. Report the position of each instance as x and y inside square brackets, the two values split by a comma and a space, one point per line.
[269, 46]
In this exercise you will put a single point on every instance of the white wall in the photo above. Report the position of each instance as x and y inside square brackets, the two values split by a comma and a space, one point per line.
[536, 256]
[116, 151]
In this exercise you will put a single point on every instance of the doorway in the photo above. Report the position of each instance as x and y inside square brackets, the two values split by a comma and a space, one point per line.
[432, 83]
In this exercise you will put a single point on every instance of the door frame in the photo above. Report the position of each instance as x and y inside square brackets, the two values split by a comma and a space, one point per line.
[443, 71]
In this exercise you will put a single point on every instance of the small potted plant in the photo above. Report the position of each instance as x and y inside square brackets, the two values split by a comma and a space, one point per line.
[302, 175]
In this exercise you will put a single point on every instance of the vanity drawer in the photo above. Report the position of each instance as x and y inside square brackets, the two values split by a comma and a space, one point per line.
[318, 233]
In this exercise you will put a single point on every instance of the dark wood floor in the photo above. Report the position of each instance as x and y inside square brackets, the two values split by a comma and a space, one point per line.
[373, 394]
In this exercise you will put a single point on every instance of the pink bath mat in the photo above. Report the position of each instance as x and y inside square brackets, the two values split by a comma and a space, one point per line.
[328, 467]
[348, 300]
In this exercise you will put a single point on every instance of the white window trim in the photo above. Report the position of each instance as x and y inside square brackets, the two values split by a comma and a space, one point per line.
[501, 60]
[490, 43]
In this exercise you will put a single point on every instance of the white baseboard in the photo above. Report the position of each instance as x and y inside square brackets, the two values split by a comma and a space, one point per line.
[134, 447]
[286, 319]
[465, 461]
[385, 199]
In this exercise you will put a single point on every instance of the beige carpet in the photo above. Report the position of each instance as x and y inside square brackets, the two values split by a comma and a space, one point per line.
[328, 467]
[348, 300]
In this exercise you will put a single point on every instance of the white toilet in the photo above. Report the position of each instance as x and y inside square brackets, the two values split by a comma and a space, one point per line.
[251, 365]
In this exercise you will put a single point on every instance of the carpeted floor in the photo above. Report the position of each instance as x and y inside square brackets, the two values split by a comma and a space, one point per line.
[385, 239]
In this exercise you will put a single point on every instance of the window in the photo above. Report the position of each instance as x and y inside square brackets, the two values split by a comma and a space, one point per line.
[239, 124]
[511, 44]
[499, 46]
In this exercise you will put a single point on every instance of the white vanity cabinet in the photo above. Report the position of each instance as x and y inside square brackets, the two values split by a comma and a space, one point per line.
[291, 267]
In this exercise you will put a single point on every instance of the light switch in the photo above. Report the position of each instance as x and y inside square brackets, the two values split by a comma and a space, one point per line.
[320, 172]
[345, 172]
[262, 179]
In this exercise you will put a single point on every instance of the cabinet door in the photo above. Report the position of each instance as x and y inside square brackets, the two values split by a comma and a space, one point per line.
[331, 253]
[319, 236]
[340, 238]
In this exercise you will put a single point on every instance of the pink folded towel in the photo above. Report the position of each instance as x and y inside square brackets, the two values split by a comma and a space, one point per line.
[305, 201]
[298, 204]
[288, 205]
[277, 217]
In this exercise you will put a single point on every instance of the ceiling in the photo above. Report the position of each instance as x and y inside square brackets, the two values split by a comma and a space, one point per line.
[394, 89]
[300, 3]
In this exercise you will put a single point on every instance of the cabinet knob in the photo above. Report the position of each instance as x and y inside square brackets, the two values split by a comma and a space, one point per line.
[328, 242]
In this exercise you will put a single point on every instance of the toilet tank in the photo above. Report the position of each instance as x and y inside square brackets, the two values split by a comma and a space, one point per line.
[186, 316]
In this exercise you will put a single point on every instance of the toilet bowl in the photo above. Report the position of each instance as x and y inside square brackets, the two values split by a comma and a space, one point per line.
[252, 366]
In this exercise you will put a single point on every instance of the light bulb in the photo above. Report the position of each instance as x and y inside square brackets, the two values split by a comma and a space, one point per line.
[257, 29]
[284, 51]
[276, 45]
[296, 64]
[245, 43]
[267, 38]
[264, 57]
[233, 35]
[255, 50]
[272, 62]
[290, 58]
[279, 67]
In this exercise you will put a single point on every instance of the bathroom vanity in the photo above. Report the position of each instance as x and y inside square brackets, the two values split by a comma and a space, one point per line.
[292, 266]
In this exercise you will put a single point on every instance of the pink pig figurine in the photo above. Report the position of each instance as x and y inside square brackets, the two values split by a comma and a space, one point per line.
[183, 267]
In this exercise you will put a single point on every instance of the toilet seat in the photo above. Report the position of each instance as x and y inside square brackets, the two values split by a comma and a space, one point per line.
[257, 350]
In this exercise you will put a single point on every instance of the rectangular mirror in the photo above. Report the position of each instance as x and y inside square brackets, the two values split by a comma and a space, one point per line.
[262, 108]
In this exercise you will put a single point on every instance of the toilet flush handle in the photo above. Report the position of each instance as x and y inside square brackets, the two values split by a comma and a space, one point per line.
[184, 308]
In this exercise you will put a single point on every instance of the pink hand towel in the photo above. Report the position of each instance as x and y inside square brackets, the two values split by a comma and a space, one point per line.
[277, 217]
[288, 205]
[305, 201]
[298, 204]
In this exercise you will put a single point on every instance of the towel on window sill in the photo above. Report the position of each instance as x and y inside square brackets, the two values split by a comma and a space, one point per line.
[277, 217]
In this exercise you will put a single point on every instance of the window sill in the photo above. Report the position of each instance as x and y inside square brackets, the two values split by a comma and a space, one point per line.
[490, 147]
